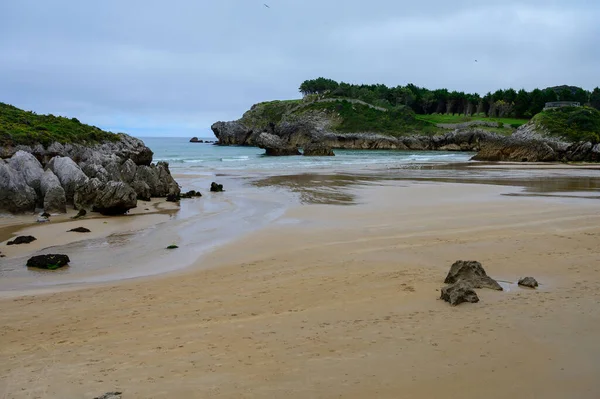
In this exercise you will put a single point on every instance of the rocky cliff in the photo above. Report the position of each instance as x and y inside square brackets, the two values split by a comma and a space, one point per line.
[106, 177]
[281, 130]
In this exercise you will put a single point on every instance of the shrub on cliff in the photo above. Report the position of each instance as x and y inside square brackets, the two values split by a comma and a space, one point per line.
[28, 128]
[571, 123]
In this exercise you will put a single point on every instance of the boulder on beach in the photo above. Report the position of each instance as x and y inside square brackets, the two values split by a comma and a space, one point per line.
[115, 198]
[21, 240]
[50, 261]
[110, 395]
[528, 282]
[458, 293]
[29, 167]
[54, 196]
[142, 190]
[69, 174]
[15, 195]
[86, 193]
[80, 230]
[472, 273]
[215, 187]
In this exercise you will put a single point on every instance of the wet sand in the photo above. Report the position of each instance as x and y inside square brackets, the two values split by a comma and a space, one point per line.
[337, 301]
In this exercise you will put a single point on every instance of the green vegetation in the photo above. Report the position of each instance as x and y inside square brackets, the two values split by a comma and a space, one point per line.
[28, 128]
[449, 118]
[571, 123]
[508, 103]
[353, 117]
[53, 266]
[262, 114]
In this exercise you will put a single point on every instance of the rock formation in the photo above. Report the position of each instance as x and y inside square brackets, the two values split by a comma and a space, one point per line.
[108, 177]
[472, 273]
[275, 145]
[50, 262]
[215, 187]
[317, 150]
[458, 293]
[528, 282]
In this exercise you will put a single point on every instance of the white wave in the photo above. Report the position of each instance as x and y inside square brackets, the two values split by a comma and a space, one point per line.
[236, 159]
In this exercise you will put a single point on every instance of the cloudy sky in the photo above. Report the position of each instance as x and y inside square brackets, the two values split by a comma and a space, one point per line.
[173, 67]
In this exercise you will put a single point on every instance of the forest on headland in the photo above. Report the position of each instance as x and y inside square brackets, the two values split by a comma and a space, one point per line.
[503, 103]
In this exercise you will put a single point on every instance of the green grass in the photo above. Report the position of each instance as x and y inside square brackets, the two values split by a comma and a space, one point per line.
[571, 123]
[355, 118]
[261, 114]
[28, 128]
[446, 118]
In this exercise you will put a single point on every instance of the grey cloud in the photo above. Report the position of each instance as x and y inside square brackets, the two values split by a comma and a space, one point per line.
[172, 68]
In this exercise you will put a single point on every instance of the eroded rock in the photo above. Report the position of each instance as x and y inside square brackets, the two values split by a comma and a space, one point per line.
[528, 282]
[472, 273]
[458, 293]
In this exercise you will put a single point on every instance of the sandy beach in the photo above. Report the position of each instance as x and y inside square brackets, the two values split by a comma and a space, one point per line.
[335, 301]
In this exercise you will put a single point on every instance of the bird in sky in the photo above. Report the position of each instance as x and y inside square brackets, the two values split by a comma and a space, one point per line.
[476, 61]
[266, 5]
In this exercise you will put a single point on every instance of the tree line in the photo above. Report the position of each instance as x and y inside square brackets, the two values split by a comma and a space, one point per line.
[501, 103]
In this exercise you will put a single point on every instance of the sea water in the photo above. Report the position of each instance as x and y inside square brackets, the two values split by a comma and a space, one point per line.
[189, 158]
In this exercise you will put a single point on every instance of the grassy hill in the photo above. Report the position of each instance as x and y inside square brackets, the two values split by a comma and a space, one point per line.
[28, 128]
[346, 116]
[571, 123]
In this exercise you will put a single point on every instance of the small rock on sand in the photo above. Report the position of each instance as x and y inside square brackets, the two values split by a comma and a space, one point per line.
[458, 293]
[528, 282]
[80, 230]
[21, 240]
[215, 187]
[110, 395]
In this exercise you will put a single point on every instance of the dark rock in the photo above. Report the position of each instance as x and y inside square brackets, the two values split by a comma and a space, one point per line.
[80, 230]
[317, 150]
[216, 188]
[191, 194]
[80, 214]
[458, 293]
[110, 395]
[173, 198]
[142, 190]
[127, 171]
[116, 198]
[21, 240]
[528, 282]
[173, 246]
[231, 133]
[51, 262]
[45, 215]
[195, 140]
[86, 194]
[472, 273]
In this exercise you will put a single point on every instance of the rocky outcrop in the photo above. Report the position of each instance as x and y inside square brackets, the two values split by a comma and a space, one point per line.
[69, 174]
[15, 195]
[158, 179]
[128, 170]
[231, 133]
[317, 150]
[29, 167]
[528, 282]
[195, 140]
[458, 293]
[275, 146]
[472, 273]
[115, 198]
[142, 190]
[85, 195]
[50, 262]
[53, 194]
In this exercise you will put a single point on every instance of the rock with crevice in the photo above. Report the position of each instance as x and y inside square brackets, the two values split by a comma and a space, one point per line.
[15, 195]
[458, 293]
[69, 174]
[471, 272]
[29, 167]
[54, 196]
[115, 198]
[275, 145]
[85, 195]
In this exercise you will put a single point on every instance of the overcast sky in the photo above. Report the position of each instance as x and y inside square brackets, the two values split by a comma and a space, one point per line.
[173, 67]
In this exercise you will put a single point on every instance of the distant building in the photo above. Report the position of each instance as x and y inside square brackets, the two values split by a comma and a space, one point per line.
[560, 104]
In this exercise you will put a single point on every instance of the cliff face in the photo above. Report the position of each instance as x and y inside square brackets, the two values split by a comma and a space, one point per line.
[298, 125]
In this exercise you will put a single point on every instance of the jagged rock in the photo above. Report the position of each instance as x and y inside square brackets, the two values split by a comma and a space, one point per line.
[53, 194]
[516, 150]
[96, 171]
[128, 170]
[51, 262]
[216, 188]
[472, 273]
[29, 167]
[274, 145]
[317, 150]
[80, 230]
[528, 282]
[69, 174]
[458, 293]
[110, 395]
[231, 133]
[141, 189]
[21, 240]
[15, 195]
[80, 214]
[167, 185]
[115, 198]
[85, 195]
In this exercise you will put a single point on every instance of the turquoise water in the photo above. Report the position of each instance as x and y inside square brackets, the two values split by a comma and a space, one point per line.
[186, 157]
